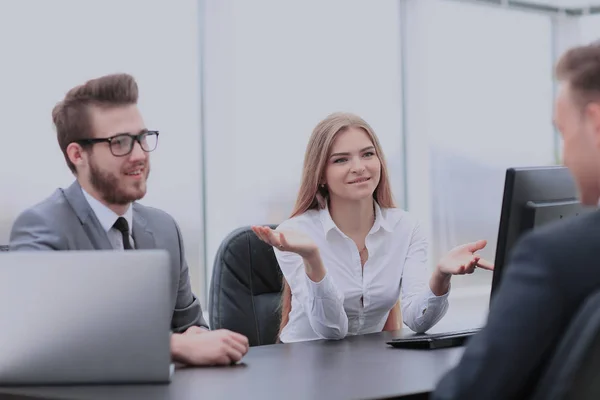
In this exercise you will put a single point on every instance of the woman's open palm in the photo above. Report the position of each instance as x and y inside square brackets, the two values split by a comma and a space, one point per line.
[464, 259]
[294, 241]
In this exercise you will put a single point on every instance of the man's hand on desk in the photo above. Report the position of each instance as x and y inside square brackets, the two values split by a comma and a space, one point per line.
[195, 330]
[201, 347]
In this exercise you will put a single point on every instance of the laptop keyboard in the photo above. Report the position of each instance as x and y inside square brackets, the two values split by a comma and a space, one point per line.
[437, 336]
[434, 340]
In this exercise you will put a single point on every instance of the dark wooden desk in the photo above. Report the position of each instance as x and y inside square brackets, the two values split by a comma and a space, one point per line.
[361, 367]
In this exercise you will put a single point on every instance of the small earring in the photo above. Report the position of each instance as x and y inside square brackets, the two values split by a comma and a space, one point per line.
[322, 186]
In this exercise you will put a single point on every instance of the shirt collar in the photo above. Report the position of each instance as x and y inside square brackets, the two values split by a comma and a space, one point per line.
[105, 215]
[380, 220]
[326, 220]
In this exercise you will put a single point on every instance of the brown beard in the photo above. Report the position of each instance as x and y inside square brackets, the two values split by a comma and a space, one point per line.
[108, 186]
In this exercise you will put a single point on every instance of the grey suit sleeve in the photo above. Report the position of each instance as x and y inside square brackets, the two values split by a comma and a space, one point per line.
[525, 319]
[188, 311]
[31, 231]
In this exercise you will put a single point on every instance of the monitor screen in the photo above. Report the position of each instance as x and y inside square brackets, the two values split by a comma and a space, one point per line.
[533, 197]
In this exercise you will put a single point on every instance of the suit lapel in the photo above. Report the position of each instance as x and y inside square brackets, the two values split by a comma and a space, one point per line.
[142, 235]
[89, 222]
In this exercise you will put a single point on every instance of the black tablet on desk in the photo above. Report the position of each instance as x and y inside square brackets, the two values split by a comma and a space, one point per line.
[434, 341]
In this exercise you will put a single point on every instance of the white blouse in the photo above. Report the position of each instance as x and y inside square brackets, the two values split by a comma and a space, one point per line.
[352, 300]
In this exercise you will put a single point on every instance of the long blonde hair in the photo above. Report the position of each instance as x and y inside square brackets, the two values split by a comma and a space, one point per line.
[312, 196]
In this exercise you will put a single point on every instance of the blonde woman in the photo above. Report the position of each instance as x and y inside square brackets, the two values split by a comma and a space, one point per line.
[347, 253]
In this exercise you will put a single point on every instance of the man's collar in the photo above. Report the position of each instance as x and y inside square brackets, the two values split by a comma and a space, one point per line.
[105, 215]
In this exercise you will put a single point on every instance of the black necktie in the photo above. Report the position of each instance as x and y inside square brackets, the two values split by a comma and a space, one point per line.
[122, 225]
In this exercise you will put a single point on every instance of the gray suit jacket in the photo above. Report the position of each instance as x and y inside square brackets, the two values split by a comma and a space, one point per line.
[65, 221]
[551, 272]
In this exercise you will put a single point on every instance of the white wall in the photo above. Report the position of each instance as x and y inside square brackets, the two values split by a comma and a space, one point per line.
[479, 100]
[48, 47]
[590, 28]
[273, 70]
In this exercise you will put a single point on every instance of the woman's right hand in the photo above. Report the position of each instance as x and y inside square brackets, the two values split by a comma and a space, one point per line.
[293, 241]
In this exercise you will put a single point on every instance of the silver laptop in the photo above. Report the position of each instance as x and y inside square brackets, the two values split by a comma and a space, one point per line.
[79, 317]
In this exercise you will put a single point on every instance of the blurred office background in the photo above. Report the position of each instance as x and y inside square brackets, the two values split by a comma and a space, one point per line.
[457, 91]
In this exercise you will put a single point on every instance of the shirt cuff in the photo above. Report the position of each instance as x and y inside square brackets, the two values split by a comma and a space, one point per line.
[324, 289]
[433, 302]
[432, 296]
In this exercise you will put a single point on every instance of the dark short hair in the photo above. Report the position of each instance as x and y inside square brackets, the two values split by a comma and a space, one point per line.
[580, 68]
[71, 116]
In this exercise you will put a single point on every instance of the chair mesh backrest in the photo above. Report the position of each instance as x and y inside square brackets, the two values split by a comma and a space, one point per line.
[246, 288]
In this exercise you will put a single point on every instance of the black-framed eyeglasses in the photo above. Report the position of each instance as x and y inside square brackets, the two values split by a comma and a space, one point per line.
[122, 144]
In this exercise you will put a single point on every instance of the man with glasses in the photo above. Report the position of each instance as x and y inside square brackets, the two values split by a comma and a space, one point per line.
[106, 145]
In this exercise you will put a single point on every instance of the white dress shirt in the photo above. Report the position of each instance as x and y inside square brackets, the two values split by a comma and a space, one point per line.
[107, 218]
[352, 300]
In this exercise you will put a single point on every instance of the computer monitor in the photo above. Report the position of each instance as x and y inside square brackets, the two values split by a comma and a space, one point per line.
[533, 197]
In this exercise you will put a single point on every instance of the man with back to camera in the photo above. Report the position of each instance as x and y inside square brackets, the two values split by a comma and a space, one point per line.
[552, 269]
[106, 145]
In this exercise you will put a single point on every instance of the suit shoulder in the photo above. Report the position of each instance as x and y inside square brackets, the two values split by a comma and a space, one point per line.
[52, 208]
[154, 215]
[571, 243]
[42, 226]
[573, 234]
[564, 253]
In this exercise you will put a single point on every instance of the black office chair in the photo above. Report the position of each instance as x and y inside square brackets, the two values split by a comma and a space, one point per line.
[246, 288]
[3, 248]
[574, 369]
